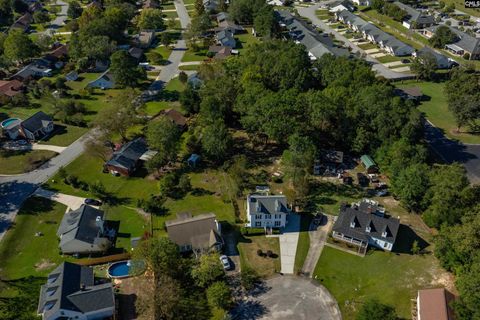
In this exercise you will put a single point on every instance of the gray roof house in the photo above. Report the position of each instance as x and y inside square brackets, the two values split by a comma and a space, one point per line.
[415, 19]
[33, 70]
[386, 41]
[72, 293]
[353, 21]
[267, 211]
[365, 224]
[443, 62]
[104, 81]
[83, 231]
[36, 126]
[72, 76]
[316, 44]
[127, 159]
[210, 5]
[200, 233]
[225, 38]
[145, 38]
[465, 44]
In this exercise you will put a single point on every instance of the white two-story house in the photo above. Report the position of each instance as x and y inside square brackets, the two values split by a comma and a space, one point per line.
[267, 211]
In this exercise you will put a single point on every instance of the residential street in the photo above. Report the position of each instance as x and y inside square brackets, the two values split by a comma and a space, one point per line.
[171, 70]
[453, 151]
[318, 236]
[14, 190]
[309, 12]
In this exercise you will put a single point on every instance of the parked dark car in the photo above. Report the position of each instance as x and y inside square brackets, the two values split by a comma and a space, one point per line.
[93, 202]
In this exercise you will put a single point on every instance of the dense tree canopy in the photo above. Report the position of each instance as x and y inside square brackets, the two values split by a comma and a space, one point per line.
[125, 69]
[18, 46]
[374, 310]
[443, 36]
[150, 19]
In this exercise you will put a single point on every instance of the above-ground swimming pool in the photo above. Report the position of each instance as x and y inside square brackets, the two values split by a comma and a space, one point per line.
[9, 122]
[124, 269]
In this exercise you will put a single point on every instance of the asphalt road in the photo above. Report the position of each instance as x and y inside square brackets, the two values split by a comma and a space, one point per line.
[171, 70]
[14, 190]
[309, 12]
[453, 151]
[286, 298]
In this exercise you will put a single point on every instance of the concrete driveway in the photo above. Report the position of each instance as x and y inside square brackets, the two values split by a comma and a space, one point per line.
[288, 298]
[72, 202]
[318, 234]
[288, 244]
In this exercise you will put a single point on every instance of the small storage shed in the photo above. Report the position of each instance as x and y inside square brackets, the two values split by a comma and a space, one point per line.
[369, 164]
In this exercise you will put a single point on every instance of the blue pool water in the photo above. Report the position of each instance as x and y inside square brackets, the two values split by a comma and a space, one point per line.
[119, 269]
[7, 122]
[124, 268]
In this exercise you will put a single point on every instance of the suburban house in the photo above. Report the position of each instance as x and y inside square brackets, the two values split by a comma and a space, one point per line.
[369, 164]
[145, 39]
[84, 231]
[23, 23]
[151, 4]
[347, 4]
[59, 52]
[362, 2]
[71, 292]
[433, 304]
[199, 234]
[442, 61]
[365, 224]
[175, 117]
[220, 52]
[222, 16]
[410, 93]
[72, 76]
[373, 34]
[194, 80]
[211, 5]
[316, 44]
[36, 69]
[10, 88]
[230, 26]
[465, 44]
[415, 19]
[36, 126]
[104, 81]
[225, 38]
[136, 53]
[267, 211]
[128, 158]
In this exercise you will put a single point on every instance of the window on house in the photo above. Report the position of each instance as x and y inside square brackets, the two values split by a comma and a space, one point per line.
[268, 216]
[278, 223]
[258, 216]
[258, 224]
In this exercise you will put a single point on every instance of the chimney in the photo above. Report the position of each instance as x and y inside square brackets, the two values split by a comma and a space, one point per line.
[99, 223]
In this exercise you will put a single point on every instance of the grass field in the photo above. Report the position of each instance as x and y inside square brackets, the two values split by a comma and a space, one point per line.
[15, 162]
[264, 266]
[23, 254]
[191, 55]
[436, 110]
[392, 279]
[245, 39]
[367, 46]
[303, 242]
[389, 58]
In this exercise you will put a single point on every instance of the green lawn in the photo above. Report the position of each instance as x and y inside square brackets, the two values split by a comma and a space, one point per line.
[389, 58]
[436, 110]
[191, 55]
[175, 85]
[189, 67]
[152, 108]
[64, 135]
[170, 14]
[264, 266]
[327, 196]
[164, 51]
[392, 279]
[23, 254]
[245, 39]
[16, 162]
[460, 5]
[132, 224]
[367, 46]
[303, 241]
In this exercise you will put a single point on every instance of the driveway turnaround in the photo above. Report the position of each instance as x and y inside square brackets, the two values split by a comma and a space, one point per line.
[287, 298]
[72, 202]
[288, 243]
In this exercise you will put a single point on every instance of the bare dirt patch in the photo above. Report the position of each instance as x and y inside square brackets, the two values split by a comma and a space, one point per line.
[44, 264]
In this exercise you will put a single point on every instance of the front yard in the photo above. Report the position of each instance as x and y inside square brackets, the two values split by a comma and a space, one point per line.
[16, 162]
[264, 266]
[303, 241]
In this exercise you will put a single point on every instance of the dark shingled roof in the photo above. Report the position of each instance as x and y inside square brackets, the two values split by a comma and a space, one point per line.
[63, 291]
[361, 220]
[267, 204]
[79, 227]
[37, 121]
[129, 154]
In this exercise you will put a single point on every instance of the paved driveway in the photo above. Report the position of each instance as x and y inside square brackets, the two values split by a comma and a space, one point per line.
[453, 151]
[289, 298]
[288, 244]
[318, 236]
[72, 202]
